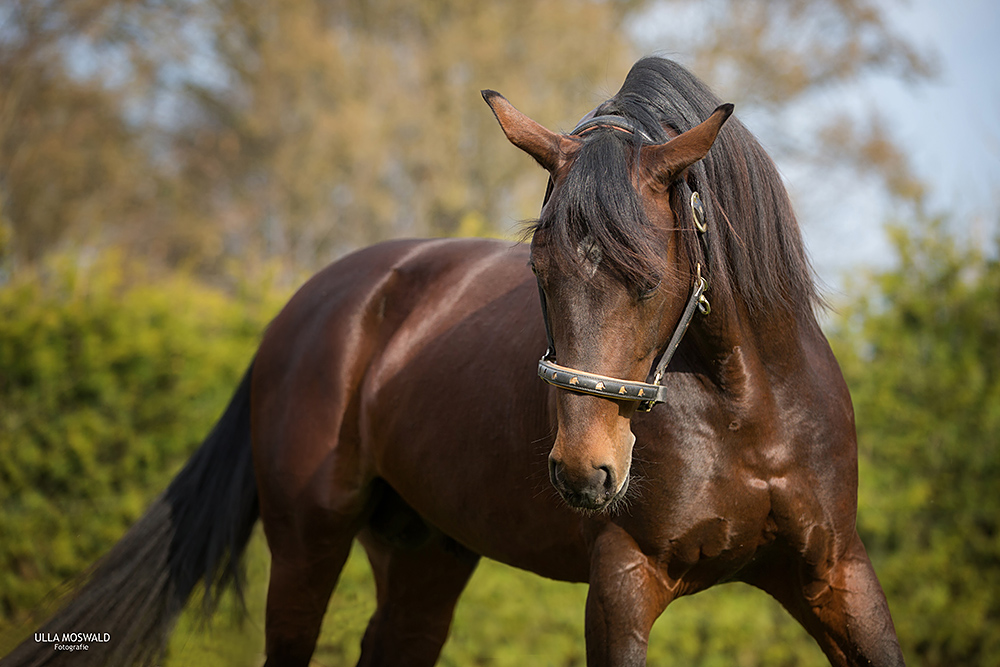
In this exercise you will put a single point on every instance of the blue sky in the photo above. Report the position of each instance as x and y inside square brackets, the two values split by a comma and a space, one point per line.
[952, 126]
[949, 127]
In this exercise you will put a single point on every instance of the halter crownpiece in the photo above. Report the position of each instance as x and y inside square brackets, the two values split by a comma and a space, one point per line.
[617, 122]
[648, 394]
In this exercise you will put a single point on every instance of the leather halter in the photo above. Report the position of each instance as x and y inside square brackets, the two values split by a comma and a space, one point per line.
[647, 393]
[616, 122]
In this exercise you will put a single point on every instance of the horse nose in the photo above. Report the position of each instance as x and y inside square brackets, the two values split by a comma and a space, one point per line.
[591, 488]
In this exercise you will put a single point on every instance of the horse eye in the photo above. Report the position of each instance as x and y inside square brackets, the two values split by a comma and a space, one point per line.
[647, 293]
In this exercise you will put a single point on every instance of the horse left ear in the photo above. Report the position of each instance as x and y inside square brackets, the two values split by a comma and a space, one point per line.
[549, 148]
[665, 162]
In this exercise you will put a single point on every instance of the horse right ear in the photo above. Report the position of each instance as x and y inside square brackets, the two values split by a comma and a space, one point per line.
[550, 149]
[665, 162]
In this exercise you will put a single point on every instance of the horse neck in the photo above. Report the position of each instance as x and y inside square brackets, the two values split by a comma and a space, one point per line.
[744, 356]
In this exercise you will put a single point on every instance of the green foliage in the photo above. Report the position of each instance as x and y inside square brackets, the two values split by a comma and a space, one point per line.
[921, 351]
[508, 618]
[108, 381]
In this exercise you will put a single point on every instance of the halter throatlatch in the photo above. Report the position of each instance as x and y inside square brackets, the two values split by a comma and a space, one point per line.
[647, 393]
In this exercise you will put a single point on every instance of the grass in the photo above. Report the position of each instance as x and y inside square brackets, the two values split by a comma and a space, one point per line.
[507, 617]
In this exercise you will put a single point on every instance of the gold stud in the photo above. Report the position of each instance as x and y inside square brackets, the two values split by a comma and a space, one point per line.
[622, 390]
[599, 386]
[574, 380]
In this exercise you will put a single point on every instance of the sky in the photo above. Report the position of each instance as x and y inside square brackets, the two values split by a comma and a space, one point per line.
[952, 126]
[949, 128]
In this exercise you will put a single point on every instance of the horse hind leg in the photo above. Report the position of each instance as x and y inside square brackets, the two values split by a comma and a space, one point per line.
[315, 494]
[843, 608]
[419, 576]
[309, 547]
[300, 588]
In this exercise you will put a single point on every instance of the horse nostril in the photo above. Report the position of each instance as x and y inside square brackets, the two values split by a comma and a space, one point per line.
[605, 478]
[555, 471]
[591, 490]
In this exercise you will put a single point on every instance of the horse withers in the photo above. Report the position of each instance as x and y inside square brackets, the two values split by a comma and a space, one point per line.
[692, 427]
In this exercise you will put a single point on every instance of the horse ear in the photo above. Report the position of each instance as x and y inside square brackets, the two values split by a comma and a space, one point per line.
[547, 147]
[665, 162]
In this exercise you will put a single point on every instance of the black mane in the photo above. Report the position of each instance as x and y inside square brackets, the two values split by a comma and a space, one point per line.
[757, 251]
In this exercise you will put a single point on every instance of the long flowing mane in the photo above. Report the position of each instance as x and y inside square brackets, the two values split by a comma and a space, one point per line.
[757, 251]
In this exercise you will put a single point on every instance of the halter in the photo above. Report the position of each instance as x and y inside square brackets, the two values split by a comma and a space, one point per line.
[616, 122]
[648, 394]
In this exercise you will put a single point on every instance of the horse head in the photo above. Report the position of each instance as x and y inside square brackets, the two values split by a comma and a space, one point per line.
[616, 280]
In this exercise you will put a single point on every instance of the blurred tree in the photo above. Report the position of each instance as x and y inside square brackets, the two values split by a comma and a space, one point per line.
[769, 53]
[67, 158]
[921, 351]
[300, 128]
[349, 122]
[777, 57]
[198, 130]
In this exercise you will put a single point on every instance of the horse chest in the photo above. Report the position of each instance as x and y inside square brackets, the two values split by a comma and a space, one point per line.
[703, 529]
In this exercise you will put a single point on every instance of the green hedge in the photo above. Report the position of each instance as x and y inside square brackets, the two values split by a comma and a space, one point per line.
[109, 378]
[921, 352]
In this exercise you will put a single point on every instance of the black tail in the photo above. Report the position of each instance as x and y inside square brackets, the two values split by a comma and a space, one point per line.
[195, 531]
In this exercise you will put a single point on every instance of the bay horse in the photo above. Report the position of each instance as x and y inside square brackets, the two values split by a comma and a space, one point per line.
[693, 426]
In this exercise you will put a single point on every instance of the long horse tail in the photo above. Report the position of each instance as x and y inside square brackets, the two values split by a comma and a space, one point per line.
[196, 531]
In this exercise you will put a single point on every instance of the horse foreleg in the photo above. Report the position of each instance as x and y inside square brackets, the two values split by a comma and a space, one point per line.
[843, 608]
[627, 594]
[418, 588]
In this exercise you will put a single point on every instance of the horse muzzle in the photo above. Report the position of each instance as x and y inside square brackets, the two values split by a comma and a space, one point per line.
[587, 485]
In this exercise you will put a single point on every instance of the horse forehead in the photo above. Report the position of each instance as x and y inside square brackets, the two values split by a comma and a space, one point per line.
[590, 255]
